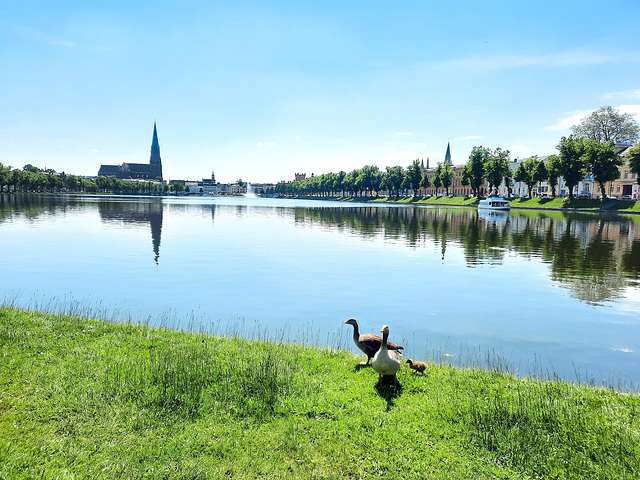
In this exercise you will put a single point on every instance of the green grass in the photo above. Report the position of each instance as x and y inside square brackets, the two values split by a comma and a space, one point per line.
[623, 206]
[431, 200]
[83, 399]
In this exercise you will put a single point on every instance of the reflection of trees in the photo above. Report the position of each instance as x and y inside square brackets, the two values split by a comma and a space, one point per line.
[32, 206]
[140, 211]
[630, 260]
[592, 255]
[589, 270]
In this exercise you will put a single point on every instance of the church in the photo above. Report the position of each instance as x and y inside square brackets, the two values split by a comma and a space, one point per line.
[144, 171]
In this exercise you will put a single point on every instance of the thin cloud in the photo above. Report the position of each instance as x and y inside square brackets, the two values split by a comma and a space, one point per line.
[418, 144]
[469, 137]
[38, 35]
[570, 58]
[62, 43]
[403, 133]
[266, 144]
[632, 109]
[625, 94]
[570, 120]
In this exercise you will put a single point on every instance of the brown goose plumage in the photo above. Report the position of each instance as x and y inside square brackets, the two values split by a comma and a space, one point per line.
[417, 366]
[369, 343]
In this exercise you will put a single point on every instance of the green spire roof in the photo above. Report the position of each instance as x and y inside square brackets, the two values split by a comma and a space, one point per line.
[155, 147]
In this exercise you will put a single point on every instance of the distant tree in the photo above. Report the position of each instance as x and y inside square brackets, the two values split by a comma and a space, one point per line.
[337, 181]
[30, 168]
[603, 162]
[414, 176]
[425, 182]
[553, 173]
[539, 173]
[607, 123]
[90, 186]
[393, 180]
[365, 178]
[349, 182]
[446, 175]
[15, 179]
[5, 173]
[376, 181]
[634, 161]
[474, 170]
[496, 166]
[437, 179]
[572, 164]
[524, 174]
[54, 183]
[508, 177]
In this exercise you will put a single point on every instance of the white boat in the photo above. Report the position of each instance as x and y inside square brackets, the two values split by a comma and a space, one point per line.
[494, 203]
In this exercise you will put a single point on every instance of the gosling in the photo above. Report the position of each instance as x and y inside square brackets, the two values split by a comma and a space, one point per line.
[417, 366]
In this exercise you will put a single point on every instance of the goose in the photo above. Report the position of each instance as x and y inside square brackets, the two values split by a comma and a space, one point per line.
[385, 363]
[369, 343]
[417, 366]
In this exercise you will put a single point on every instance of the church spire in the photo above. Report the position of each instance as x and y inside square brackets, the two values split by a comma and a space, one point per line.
[155, 161]
[155, 147]
[447, 156]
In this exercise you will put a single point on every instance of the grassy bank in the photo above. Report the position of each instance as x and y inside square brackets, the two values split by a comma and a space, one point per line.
[621, 206]
[93, 399]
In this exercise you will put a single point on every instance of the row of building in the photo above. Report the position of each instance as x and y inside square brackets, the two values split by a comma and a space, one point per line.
[624, 187]
[209, 186]
[152, 171]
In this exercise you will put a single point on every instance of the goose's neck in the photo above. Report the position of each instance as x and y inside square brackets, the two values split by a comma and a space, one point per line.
[356, 333]
[385, 335]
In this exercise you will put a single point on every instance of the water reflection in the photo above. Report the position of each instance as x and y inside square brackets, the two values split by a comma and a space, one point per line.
[137, 213]
[594, 256]
[131, 211]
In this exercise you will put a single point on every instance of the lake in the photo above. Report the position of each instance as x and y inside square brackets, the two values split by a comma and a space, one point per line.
[537, 292]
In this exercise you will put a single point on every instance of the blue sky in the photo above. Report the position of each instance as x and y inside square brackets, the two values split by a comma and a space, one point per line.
[261, 90]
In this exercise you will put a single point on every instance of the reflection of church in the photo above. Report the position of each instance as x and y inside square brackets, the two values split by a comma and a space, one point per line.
[145, 171]
[140, 213]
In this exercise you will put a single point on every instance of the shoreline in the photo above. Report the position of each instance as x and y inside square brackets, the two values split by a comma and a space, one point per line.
[632, 206]
[122, 400]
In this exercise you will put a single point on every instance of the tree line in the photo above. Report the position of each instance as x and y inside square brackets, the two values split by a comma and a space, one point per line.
[34, 179]
[591, 149]
[576, 158]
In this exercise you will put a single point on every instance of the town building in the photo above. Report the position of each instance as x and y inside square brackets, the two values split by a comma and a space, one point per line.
[209, 186]
[456, 187]
[141, 171]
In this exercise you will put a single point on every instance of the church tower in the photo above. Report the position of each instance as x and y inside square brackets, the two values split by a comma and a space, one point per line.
[154, 160]
[447, 156]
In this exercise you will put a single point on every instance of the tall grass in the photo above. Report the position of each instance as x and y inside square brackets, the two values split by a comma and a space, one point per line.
[549, 428]
[81, 398]
[185, 380]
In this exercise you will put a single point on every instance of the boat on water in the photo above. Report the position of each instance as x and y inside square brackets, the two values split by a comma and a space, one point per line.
[494, 203]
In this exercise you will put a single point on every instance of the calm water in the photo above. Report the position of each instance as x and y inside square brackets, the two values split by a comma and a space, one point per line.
[547, 292]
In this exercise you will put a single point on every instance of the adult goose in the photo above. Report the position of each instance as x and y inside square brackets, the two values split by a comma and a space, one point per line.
[384, 362]
[369, 343]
